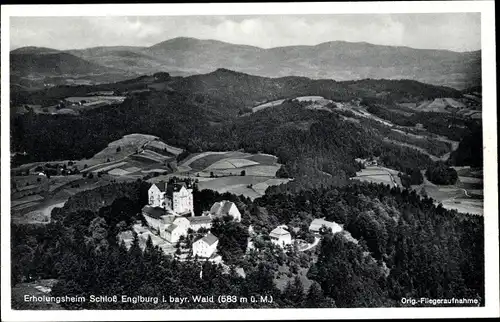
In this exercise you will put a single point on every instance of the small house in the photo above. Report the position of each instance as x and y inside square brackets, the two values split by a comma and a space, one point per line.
[280, 236]
[205, 247]
[173, 232]
[225, 208]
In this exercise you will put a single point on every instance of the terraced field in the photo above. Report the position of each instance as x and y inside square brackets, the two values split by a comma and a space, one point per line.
[222, 172]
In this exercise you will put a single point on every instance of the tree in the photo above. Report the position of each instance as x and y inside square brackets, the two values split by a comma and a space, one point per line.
[243, 173]
[314, 296]
[282, 172]
[440, 174]
[118, 149]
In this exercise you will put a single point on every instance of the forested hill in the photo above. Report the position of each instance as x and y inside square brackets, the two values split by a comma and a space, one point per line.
[24, 62]
[225, 91]
[201, 113]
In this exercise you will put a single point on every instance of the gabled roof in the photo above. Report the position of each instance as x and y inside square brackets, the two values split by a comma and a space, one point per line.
[210, 239]
[215, 208]
[200, 219]
[171, 228]
[176, 187]
[316, 224]
[278, 232]
[162, 185]
[226, 207]
[153, 212]
[221, 208]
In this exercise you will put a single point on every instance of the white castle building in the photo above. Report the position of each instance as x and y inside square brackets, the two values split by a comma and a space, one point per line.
[169, 215]
[177, 197]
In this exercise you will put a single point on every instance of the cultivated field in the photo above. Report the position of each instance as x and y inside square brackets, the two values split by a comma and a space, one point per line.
[466, 196]
[317, 103]
[221, 171]
[34, 196]
[266, 105]
[378, 174]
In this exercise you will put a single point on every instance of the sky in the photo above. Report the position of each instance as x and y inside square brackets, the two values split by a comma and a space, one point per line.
[450, 31]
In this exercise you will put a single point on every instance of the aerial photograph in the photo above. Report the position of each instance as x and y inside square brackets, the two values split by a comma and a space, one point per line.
[246, 162]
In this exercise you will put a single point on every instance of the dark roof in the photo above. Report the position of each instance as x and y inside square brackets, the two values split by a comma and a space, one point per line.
[199, 219]
[221, 208]
[162, 185]
[210, 239]
[154, 212]
[227, 206]
[171, 228]
[175, 187]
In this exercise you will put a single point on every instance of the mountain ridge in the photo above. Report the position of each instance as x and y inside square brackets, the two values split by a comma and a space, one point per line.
[338, 60]
[236, 44]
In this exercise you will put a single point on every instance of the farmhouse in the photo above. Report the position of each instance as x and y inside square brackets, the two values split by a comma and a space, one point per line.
[281, 237]
[225, 208]
[206, 246]
[200, 222]
[316, 225]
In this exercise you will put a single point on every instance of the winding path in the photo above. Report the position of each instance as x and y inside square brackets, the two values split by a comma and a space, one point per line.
[316, 241]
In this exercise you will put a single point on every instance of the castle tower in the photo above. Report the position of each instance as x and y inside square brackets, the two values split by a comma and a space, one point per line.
[179, 197]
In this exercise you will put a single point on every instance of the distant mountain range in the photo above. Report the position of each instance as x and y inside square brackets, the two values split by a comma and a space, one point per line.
[338, 60]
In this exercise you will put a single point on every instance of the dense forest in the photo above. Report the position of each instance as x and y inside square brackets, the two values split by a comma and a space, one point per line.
[316, 147]
[309, 143]
[402, 245]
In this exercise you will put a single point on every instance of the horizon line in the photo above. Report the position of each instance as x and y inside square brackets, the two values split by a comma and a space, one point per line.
[237, 44]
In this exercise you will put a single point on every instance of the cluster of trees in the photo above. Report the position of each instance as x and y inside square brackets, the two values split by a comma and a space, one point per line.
[440, 173]
[232, 238]
[411, 177]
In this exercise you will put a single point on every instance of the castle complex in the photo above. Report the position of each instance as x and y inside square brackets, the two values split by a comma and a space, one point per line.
[169, 214]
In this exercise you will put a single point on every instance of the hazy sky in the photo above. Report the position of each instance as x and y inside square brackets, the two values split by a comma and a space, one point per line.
[452, 31]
